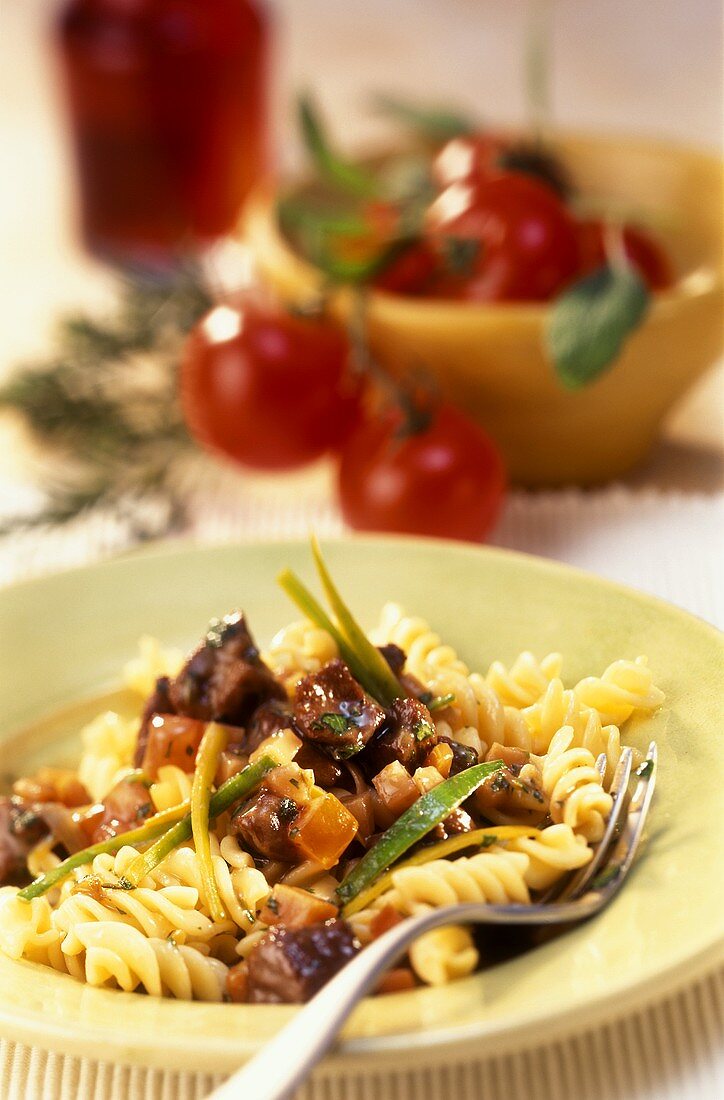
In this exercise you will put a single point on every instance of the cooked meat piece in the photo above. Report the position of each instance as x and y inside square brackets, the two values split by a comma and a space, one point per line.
[52, 785]
[326, 772]
[159, 702]
[267, 719]
[266, 822]
[290, 966]
[332, 710]
[407, 736]
[126, 806]
[463, 756]
[397, 658]
[292, 907]
[394, 656]
[513, 758]
[512, 795]
[225, 679]
[457, 822]
[20, 829]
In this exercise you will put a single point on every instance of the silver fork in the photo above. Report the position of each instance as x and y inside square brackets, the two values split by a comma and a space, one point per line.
[284, 1062]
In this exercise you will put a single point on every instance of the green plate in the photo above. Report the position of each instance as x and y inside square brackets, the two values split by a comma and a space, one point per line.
[65, 638]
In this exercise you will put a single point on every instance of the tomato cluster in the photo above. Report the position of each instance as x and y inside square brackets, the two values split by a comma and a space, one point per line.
[274, 391]
[501, 229]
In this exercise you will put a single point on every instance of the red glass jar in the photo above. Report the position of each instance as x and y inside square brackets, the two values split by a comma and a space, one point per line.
[168, 116]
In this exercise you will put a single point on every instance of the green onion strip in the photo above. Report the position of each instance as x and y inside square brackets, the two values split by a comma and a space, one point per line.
[212, 743]
[235, 788]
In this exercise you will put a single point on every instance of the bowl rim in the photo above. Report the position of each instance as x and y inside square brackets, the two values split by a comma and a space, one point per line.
[258, 224]
[407, 1047]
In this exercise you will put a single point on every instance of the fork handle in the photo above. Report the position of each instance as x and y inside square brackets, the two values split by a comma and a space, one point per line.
[283, 1063]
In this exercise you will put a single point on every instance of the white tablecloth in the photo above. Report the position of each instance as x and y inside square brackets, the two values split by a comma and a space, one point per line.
[668, 544]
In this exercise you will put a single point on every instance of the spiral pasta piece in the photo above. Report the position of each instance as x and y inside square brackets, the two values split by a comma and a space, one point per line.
[560, 707]
[426, 653]
[624, 688]
[297, 650]
[141, 672]
[171, 787]
[526, 679]
[553, 853]
[574, 787]
[496, 876]
[118, 954]
[26, 928]
[444, 954]
[109, 742]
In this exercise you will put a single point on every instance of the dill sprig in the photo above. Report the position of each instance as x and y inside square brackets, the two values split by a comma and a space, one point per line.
[103, 410]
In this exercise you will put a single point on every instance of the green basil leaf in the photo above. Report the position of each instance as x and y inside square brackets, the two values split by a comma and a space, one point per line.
[590, 322]
[432, 123]
[335, 169]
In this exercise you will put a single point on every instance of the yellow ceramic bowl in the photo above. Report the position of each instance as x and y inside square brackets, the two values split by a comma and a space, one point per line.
[490, 359]
[69, 635]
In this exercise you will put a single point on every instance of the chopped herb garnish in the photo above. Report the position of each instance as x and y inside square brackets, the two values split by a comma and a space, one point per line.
[219, 628]
[645, 770]
[337, 723]
[423, 729]
[288, 809]
[426, 697]
[439, 701]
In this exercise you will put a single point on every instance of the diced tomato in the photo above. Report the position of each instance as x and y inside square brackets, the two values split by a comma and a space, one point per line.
[324, 829]
[440, 757]
[237, 982]
[291, 907]
[387, 918]
[397, 980]
[172, 739]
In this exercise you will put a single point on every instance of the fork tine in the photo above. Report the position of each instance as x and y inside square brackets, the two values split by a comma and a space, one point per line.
[578, 883]
[574, 884]
[612, 876]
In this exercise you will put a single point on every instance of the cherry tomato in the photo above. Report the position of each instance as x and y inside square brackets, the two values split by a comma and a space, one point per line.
[410, 272]
[474, 157]
[645, 254]
[446, 480]
[527, 246]
[467, 158]
[265, 387]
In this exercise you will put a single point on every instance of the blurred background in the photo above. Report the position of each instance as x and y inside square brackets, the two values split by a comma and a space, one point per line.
[651, 69]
